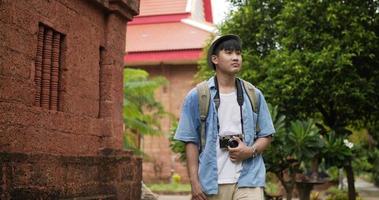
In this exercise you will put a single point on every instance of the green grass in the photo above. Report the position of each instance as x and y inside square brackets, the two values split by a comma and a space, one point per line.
[169, 187]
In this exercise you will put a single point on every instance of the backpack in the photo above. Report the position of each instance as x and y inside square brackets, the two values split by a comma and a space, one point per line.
[204, 102]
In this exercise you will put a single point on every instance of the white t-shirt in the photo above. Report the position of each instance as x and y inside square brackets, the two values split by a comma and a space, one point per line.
[230, 124]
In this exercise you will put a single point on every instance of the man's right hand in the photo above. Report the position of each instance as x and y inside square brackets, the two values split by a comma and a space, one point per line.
[192, 155]
[197, 192]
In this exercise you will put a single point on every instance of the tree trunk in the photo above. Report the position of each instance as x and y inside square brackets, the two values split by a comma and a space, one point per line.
[350, 181]
[288, 185]
[289, 188]
[314, 168]
[304, 190]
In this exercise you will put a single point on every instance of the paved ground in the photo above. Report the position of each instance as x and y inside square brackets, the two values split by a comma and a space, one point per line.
[173, 197]
[367, 191]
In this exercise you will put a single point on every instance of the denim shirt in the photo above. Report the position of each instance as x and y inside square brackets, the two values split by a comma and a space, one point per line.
[253, 171]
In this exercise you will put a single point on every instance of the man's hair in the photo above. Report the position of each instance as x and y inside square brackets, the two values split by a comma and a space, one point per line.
[229, 45]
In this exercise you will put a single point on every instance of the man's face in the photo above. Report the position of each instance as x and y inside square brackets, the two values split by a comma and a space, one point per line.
[228, 61]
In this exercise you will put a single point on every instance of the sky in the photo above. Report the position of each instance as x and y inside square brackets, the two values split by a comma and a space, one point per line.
[219, 9]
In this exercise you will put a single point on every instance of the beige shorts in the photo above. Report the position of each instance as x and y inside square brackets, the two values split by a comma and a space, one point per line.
[232, 192]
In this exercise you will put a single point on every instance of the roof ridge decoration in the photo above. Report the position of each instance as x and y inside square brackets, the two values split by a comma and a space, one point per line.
[189, 6]
[203, 26]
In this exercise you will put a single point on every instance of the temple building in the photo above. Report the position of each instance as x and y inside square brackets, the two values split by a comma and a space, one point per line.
[61, 98]
[167, 39]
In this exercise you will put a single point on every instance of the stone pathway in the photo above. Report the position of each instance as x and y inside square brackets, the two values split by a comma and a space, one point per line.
[367, 191]
[174, 197]
[147, 194]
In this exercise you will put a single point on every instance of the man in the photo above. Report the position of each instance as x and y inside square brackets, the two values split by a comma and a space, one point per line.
[223, 170]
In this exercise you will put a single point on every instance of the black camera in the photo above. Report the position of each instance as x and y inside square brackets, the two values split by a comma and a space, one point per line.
[229, 141]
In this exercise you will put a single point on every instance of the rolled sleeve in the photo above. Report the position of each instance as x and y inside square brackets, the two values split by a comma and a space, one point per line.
[188, 126]
[264, 118]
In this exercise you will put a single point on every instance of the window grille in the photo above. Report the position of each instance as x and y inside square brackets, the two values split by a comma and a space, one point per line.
[48, 68]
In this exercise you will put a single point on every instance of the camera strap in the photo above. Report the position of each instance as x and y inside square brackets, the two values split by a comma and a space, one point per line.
[240, 101]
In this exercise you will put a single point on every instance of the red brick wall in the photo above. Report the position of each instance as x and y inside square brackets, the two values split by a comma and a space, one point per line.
[84, 26]
[162, 161]
[88, 117]
[44, 176]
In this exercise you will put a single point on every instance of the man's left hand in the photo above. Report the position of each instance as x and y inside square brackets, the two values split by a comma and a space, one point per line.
[241, 152]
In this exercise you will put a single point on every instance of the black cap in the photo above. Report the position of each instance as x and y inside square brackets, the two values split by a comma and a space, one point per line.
[215, 43]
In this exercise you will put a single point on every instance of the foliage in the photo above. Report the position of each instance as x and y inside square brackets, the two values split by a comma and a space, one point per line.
[177, 146]
[272, 188]
[315, 195]
[337, 194]
[333, 173]
[141, 111]
[300, 142]
[373, 132]
[304, 140]
[320, 54]
[176, 178]
[373, 151]
[375, 169]
[277, 153]
[374, 155]
[363, 151]
[314, 59]
[291, 147]
[335, 152]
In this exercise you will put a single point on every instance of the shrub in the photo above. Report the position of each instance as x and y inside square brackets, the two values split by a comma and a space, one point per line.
[176, 178]
[337, 194]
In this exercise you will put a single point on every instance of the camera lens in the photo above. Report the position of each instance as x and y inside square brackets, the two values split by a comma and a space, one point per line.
[232, 143]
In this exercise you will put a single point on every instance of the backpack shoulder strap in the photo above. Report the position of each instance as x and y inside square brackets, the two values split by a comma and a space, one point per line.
[204, 101]
[250, 90]
[251, 93]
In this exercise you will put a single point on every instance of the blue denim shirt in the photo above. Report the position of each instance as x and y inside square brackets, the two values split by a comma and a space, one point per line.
[253, 171]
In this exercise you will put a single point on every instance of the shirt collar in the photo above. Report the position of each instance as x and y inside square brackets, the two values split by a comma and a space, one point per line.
[211, 83]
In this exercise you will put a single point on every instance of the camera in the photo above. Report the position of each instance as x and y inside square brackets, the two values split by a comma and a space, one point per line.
[229, 141]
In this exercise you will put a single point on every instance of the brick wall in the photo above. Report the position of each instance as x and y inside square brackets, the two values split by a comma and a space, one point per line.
[44, 176]
[61, 80]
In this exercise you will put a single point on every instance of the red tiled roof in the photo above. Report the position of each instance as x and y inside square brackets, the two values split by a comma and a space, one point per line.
[156, 57]
[163, 37]
[159, 7]
[154, 19]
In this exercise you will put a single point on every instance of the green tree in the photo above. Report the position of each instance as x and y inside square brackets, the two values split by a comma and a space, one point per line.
[371, 152]
[141, 111]
[291, 149]
[277, 156]
[313, 58]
